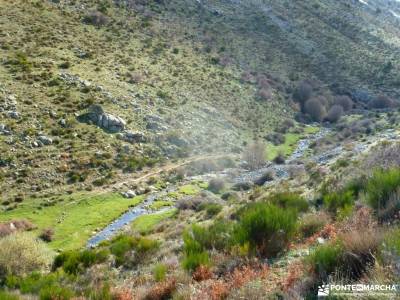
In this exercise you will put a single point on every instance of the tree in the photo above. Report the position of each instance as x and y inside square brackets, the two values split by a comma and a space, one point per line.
[254, 155]
[302, 92]
[315, 109]
[344, 101]
[334, 113]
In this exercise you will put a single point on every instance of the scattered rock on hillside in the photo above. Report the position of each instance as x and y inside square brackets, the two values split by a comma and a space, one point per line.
[45, 140]
[132, 137]
[102, 119]
[128, 194]
[155, 123]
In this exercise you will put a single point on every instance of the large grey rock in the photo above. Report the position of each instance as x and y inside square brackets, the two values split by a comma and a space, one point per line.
[45, 140]
[104, 120]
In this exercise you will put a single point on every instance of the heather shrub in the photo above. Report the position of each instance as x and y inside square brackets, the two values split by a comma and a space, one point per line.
[334, 113]
[74, 262]
[279, 159]
[266, 228]
[216, 185]
[264, 94]
[386, 156]
[46, 286]
[344, 101]
[381, 102]
[47, 235]
[195, 254]
[325, 259]
[382, 187]
[95, 18]
[8, 296]
[338, 202]
[350, 256]
[22, 253]
[211, 209]
[160, 272]
[312, 223]
[315, 109]
[289, 201]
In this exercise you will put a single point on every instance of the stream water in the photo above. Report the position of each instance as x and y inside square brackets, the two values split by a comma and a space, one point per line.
[244, 176]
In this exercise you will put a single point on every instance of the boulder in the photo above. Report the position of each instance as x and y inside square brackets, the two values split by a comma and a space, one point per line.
[133, 137]
[102, 119]
[45, 140]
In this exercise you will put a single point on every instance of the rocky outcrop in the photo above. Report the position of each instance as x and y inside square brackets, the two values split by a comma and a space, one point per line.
[133, 137]
[106, 121]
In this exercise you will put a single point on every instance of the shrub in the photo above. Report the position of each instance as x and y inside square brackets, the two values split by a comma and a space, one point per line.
[47, 235]
[279, 159]
[325, 259]
[264, 94]
[336, 202]
[381, 102]
[254, 155]
[159, 272]
[74, 262]
[392, 241]
[21, 253]
[315, 109]
[302, 92]
[266, 228]
[344, 101]
[381, 187]
[386, 156]
[194, 253]
[216, 185]
[95, 18]
[56, 292]
[7, 296]
[334, 113]
[211, 209]
[289, 201]
[310, 224]
[162, 290]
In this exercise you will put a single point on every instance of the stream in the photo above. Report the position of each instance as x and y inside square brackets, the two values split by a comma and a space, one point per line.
[244, 176]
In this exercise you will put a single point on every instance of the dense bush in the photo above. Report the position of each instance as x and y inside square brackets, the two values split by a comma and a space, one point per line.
[334, 113]
[289, 201]
[123, 244]
[302, 92]
[266, 228]
[195, 254]
[47, 235]
[22, 253]
[382, 190]
[381, 102]
[339, 202]
[215, 185]
[47, 286]
[350, 256]
[315, 109]
[325, 259]
[211, 209]
[7, 296]
[95, 18]
[312, 223]
[344, 101]
[74, 262]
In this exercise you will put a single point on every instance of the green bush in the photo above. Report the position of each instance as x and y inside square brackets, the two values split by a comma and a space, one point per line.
[194, 251]
[290, 201]
[381, 187]
[211, 209]
[337, 202]
[326, 259]
[7, 296]
[392, 241]
[74, 262]
[266, 228]
[123, 244]
[47, 286]
[159, 272]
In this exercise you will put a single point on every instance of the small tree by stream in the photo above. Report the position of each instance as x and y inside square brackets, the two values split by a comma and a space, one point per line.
[254, 155]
